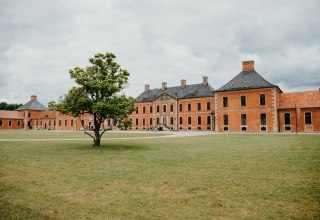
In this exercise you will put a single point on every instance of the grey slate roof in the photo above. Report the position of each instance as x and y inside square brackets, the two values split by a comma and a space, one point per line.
[246, 80]
[33, 105]
[190, 91]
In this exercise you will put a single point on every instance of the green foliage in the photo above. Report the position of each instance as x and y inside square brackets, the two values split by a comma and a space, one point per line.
[52, 106]
[124, 124]
[8, 106]
[98, 93]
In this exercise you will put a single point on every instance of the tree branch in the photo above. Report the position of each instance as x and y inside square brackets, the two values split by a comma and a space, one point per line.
[85, 131]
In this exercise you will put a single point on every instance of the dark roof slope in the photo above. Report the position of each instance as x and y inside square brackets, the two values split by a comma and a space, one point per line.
[190, 91]
[33, 105]
[246, 80]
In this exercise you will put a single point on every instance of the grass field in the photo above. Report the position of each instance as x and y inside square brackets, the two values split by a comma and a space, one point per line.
[205, 177]
[70, 134]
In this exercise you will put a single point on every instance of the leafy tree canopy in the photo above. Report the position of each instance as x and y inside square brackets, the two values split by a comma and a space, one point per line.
[98, 93]
[8, 106]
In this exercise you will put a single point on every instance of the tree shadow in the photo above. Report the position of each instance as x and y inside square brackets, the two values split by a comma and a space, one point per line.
[110, 147]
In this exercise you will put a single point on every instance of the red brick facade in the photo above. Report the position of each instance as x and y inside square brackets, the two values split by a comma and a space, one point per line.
[256, 106]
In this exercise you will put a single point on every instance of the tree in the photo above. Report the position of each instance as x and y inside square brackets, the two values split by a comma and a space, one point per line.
[124, 124]
[98, 94]
[8, 106]
[52, 106]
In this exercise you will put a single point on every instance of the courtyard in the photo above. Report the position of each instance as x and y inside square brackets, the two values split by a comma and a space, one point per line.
[136, 175]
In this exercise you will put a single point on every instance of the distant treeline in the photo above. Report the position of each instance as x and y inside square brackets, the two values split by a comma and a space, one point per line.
[8, 106]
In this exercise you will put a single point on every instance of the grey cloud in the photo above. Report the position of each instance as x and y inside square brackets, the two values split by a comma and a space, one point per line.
[156, 41]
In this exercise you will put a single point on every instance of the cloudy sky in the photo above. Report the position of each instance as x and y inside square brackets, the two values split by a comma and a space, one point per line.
[156, 41]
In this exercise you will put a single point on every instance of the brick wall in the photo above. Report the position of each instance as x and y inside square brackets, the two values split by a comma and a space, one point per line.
[252, 110]
[160, 118]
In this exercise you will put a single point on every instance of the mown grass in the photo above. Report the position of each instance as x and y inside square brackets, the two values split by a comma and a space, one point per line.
[205, 177]
[21, 134]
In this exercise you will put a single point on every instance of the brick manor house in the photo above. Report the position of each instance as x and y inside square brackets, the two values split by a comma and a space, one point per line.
[247, 103]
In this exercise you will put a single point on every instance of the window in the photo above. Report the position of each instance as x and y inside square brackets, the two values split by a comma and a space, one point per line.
[180, 120]
[144, 121]
[137, 121]
[50, 123]
[151, 109]
[180, 107]
[287, 119]
[164, 108]
[208, 106]
[199, 120]
[29, 114]
[225, 120]
[10, 123]
[54, 123]
[307, 118]
[65, 123]
[171, 120]
[150, 121]
[208, 120]
[189, 107]
[199, 106]
[0, 122]
[158, 120]
[262, 99]
[144, 110]
[263, 128]
[158, 108]
[263, 119]
[189, 120]
[171, 108]
[243, 100]
[18, 123]
[243, 119]
[137, 110]
[225, 101]
[37, 123]
[82, 123]
[29, 123]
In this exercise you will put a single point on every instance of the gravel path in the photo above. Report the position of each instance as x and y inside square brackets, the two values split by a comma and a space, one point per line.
[169, 135]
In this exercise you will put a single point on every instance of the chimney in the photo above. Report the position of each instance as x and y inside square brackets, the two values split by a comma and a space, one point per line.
[248, 65]
[33, 97]
[164, 85]
[183, 83]
[146, 87]
[205, 80]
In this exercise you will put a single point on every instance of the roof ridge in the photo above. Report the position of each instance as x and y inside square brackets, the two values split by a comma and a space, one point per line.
[246, 80]
[33, 105]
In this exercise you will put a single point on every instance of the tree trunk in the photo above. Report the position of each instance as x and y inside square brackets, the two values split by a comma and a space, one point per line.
[97, 139]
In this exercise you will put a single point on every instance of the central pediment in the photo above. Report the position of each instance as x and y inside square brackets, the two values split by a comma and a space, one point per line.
[164, 97]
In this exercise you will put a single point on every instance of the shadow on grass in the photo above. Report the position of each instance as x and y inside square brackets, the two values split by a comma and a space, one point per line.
[110, 147]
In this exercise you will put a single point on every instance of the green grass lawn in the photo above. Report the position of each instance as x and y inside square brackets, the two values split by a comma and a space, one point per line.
[205, 177]
[71, 134]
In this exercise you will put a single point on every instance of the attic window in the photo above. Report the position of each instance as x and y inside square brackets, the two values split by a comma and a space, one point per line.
[47, 116]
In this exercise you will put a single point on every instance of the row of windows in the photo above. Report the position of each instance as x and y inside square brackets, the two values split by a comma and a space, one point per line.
[263, 119]
[10, 123]
[307, 118]
[189, 120]
[243, 100]
[164, 108]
